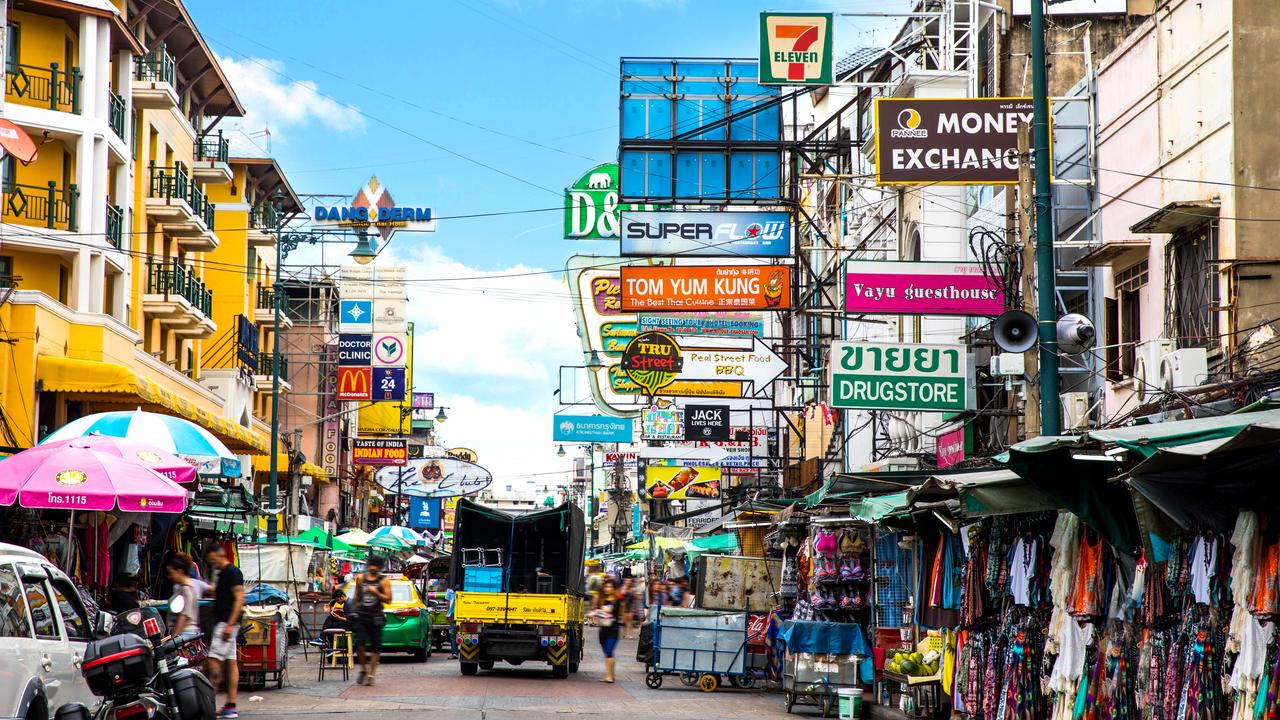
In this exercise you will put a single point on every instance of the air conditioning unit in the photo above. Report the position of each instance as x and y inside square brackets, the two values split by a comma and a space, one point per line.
[1146, 367]
[1075, 410]
[1185, 368]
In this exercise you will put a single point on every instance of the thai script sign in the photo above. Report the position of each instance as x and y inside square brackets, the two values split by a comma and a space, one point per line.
[893, 376]
[702, 287]
[591, 428]
[949, 141]
[921, 288]
[951, 447]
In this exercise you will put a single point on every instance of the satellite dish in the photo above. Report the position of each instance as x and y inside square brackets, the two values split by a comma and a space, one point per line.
[1075, 334]
[1014, 331]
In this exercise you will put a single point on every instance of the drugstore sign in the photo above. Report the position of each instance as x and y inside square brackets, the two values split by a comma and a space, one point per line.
[895, 376]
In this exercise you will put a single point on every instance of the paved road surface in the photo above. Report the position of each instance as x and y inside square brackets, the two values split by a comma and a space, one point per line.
[435, 689]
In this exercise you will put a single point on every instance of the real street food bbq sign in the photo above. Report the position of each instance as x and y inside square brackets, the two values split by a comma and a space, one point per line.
[949, 141]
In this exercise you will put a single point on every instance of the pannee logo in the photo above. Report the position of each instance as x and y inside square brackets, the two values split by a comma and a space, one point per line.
[908, 125]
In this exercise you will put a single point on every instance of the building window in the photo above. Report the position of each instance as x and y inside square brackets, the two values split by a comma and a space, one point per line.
[1191, 278]
[6, 272]
[64, 285]
[1124, 321]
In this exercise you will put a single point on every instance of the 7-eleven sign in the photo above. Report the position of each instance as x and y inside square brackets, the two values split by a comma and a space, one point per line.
[796, 48]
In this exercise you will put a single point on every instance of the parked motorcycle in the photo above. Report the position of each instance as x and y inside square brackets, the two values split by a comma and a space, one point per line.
[140, 674]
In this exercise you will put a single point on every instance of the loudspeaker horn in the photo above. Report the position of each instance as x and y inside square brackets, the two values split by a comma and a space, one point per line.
[1014, 331]
[1075, 334]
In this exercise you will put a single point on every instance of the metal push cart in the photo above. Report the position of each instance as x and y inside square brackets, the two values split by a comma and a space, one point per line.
[822, 659]
[263, 654]
[703, 647]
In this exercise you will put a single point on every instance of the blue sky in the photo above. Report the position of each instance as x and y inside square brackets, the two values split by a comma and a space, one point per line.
[399, 89]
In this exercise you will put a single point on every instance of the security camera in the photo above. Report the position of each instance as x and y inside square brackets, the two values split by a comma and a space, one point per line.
[1075, 334]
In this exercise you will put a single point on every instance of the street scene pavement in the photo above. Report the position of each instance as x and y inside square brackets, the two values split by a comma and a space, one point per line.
[436, 689]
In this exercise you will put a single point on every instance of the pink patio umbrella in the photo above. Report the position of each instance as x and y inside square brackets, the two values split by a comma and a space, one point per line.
[162, 461]
[83, 478]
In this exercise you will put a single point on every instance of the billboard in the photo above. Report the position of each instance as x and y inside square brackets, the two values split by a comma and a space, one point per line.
[434, 478]
[591, 205]
[895, 376]
[707, 422]
[706, 233]
[705, 287]
[379, 451]
[951, 447]
[665, 482]
[662, 424]
[1074, 7]
[795, 48]
[591, 428]
[921, 288]
[373, 210]
[424, 513]
[948, 141]
[710, 324]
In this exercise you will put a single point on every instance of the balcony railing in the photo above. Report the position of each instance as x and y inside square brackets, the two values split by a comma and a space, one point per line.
[214, 147]
[171, 278]
[48, 205]
[266, 365]
[155, 66]
[170, 183]
[263, 217]
[115, 225]
[266, 298]
[201, 206]
[47, 86]
[116, 114]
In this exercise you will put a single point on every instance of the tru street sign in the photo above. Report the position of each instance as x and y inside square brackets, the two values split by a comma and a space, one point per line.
[893, 376]
[660, 366]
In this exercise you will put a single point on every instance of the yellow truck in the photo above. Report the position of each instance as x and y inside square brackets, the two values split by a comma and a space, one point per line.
[519, 586]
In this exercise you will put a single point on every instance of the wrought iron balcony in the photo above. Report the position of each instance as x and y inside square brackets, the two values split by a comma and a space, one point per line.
[266, 365]
[170, 183]
[201, 206]
[116, 114]
[48, 206]
[263, 217]
[115, 225]
[155, 66]
[213, 146]
[51, 86]
[266, 298]
[172, 278]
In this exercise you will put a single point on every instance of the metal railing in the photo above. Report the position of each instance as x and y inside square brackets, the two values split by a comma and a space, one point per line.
[156, 65]
[115, 225]
[48, 205]
[263, 217]
[116, 113]
[51, 86]
[173, 278]
[267, 298]
[201, 206]
[266, 365]
[170, 183]
[214, 147]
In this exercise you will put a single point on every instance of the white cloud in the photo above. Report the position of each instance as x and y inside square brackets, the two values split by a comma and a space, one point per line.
[513, 443]
[273, 100]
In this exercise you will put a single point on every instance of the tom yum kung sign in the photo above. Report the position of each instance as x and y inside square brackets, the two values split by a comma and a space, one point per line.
[694, 287]
[949, 141]
[921, 288]
[892, 376]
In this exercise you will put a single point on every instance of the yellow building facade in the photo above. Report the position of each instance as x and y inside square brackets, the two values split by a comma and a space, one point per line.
[135, 251]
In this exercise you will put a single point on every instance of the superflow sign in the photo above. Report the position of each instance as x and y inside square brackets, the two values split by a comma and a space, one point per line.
[795, 48]
[354, 383]
[949, 141]
[706, 422]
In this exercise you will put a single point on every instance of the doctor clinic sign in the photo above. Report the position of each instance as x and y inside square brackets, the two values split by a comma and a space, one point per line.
[893, 376]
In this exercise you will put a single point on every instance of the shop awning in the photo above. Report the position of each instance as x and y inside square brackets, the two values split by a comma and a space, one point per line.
[1148, 439]
[726, 543]
[112, 383]
[875, 508]
[262, 463]
[988, 492]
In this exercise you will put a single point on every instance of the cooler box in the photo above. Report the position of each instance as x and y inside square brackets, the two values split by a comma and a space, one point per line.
[482, 579]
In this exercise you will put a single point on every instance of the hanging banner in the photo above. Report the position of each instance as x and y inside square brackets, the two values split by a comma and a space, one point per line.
[711, 324]
[921, 288]
[951, 447]
[694, 233]
[678, 483]
[949, 141]
[647, 288]
[894, 376]
[796, 48]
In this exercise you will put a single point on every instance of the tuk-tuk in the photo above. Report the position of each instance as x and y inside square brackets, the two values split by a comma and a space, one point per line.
[435, 579]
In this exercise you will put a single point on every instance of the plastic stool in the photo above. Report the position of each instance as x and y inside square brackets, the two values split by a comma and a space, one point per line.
[337, 653]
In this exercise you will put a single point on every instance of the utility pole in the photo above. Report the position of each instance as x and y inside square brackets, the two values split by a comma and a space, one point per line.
[1026, 212]
[1046, 271]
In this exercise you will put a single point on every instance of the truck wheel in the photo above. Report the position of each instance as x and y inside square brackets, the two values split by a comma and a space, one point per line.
[468, 668]
[486, 665]
[559, 672]
[421, 654]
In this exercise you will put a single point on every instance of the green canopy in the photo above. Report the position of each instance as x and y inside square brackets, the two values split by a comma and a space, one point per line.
[318, 538]
[874, 508]
[727, 541]
[1148, 439]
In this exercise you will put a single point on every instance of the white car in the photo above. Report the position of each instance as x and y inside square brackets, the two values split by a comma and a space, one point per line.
[44, 629]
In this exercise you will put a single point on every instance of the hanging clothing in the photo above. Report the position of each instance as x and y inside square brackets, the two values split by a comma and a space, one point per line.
[1087, 598]
[1023, 569]
[1204, 561]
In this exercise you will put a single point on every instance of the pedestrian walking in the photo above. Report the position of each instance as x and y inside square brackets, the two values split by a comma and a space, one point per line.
[626, 606]
[608, 607]
[178, 568]
[228, 601]
[373, 589]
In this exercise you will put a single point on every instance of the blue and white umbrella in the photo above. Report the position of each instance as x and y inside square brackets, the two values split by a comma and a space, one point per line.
[396, 534]
[173, 434]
